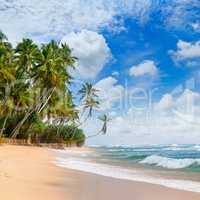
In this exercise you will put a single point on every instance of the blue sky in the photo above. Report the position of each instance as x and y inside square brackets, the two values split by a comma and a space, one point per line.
[151, 41]
[152, 46]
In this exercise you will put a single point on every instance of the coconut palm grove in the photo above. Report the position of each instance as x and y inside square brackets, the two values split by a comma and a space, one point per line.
[36, 102]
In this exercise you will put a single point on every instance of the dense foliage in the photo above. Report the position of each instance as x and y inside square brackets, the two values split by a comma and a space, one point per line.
[36, 102]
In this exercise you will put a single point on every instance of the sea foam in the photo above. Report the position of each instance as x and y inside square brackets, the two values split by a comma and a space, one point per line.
[170, 163]
[121, 173]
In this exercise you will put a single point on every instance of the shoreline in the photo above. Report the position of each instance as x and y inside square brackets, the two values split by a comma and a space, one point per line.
[82, 161]
[30, 173]
[98, 187]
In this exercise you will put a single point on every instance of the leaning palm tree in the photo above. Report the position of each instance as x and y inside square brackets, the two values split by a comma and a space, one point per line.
[2, 36]
[105, 119]
[5, 110]
[50, 73]
[7, 76]
[91, 104]
[90, 101]
[89, 97]
[26, 57]
[64, 111]
[88, 91]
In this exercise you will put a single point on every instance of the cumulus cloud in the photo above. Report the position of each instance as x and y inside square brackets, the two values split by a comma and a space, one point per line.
[91, 50]
[115, 73]
[165, 103]
[176, 119]
[148, 67]
[188, 96]
[185, 104]
[188, 102]
[196, 27]
[187, 50]
[110, 92]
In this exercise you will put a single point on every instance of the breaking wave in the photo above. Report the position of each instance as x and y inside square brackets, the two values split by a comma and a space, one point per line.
[126, 174]
[170, 163]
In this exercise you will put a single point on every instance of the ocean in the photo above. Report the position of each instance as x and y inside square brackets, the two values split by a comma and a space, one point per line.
[174, 166]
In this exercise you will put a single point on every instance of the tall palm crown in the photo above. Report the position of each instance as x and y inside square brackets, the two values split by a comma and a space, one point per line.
[89, 97]
[27, 56]
[88, 91]
[7, 70]
[52, 70]
[2, 36]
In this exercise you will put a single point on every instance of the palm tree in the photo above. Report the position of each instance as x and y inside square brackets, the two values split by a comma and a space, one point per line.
[91, 104]
[2, 36]
[49, 73]
[90, 101]
[38, 78]
[27, 56]
[7, 70]
[52, 72]
[65, 111]
[5, 110]
[29, 66]
[89, 98]
[7, 76]
[105, 119]
[88, 91]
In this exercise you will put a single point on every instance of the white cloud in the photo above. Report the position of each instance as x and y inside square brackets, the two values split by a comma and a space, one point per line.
[91, 50]
[165, 103]
[144, 129]
[46, 19]
[196, 27]
[188, 97]
[188, 102]
[148, 67]
[180, 14]
[176, 121]
[110, 92]
[185, 104]
[115, 73]
[187, 50]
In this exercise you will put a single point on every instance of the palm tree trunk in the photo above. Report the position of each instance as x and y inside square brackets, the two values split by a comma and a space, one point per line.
[80, 124]
[4, 125]
[90, 136]
[19, 125]
[73, 130]
[61, 123]
[37, 109]
[45, 103]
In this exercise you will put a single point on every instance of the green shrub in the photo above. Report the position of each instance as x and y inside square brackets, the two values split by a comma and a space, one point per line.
[62, 133]
[36, 130]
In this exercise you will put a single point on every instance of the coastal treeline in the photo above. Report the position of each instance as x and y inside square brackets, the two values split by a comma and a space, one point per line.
[36, 99]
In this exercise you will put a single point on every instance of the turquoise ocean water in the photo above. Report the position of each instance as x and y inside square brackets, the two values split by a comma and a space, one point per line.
[171, 157]
[174, 166]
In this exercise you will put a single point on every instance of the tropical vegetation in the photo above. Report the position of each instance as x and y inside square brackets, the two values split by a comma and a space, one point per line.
[36, 99]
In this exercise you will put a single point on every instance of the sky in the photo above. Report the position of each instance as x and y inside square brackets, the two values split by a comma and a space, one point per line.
[142, 55]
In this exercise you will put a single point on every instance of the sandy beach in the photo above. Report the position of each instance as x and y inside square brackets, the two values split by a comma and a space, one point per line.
[28, 173]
